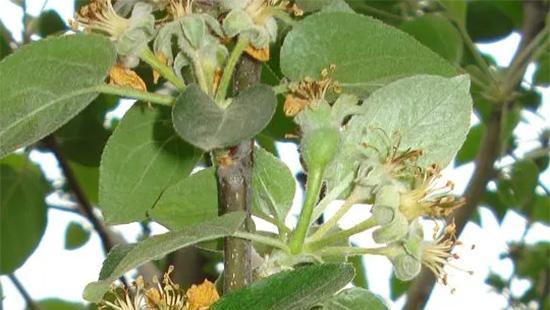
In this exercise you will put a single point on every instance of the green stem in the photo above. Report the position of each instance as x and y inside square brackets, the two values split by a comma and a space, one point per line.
[353, 251]
[328, 225]
[517, 68]
[473, 49]
[135, 94]
[332, 195]
[199, 74]
[313, 187]
[236, 53]
[283, 230]
[342, 235]
[262, 239]
[167, 72]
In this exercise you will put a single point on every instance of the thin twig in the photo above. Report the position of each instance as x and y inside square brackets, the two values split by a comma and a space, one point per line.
[21, 289]
[66, 209]
[79, 194]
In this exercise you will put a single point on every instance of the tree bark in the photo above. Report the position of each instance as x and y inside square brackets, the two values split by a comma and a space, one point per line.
[534, 15]
[234, 174]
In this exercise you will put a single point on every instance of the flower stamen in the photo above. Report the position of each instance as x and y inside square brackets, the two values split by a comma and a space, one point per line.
[437, 254]
[428, 199]
[308, 91]
[100, 16]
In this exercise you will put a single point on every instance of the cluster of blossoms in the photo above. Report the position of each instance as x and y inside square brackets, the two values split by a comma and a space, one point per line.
[190, 36]
[400, 188]
[165, 295]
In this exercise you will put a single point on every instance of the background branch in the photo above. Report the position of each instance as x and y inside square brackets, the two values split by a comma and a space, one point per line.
[31, 305]
[534, 14]
[82, 200]
[234, 174]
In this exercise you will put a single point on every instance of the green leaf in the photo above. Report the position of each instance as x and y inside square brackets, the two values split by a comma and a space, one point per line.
[540, 210]
[88, 178]
[360, 279]
[293, 290]
[128, 257]
[519, 188]
[323, 5]
[495, 203]
[46, 83]
[76, 236]
[355, 299]
[83, 138]
[201, 122]
[398, 287]
[429, 113]
[437, 33]
[190, 201]
[542, 73]
[5, 40]
[487, 21]
[142, 158]
[23, 208]
[273, 185]
[530, 98]
[471, 146]
[367, 53]
[58, 304]
[49, 23]
[531, 260]
[456, 9]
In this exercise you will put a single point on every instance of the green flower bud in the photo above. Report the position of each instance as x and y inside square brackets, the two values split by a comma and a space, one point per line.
[393, 231]
[194, 29]
[140, 31]
[406, 267]
[236, 22]
[319, 147]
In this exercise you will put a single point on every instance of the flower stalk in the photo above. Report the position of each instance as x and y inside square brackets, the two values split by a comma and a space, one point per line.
[236, 53]
[313, 188]
[149, 57]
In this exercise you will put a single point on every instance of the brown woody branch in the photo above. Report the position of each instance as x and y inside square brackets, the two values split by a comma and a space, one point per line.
[234, 174]
[534, 15]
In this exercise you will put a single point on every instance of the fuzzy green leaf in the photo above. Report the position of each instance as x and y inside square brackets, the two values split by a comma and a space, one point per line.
[23, 208]
[128, 257]
[367, 53]
[46, 83]
[355, 299]
[190, 201]
[273, 185]
[201, 122]
[429, 113]
[299, 289]
[437, 33]
[142, 158]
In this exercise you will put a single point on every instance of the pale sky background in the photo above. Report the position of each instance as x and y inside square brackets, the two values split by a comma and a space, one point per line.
[53, 272]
